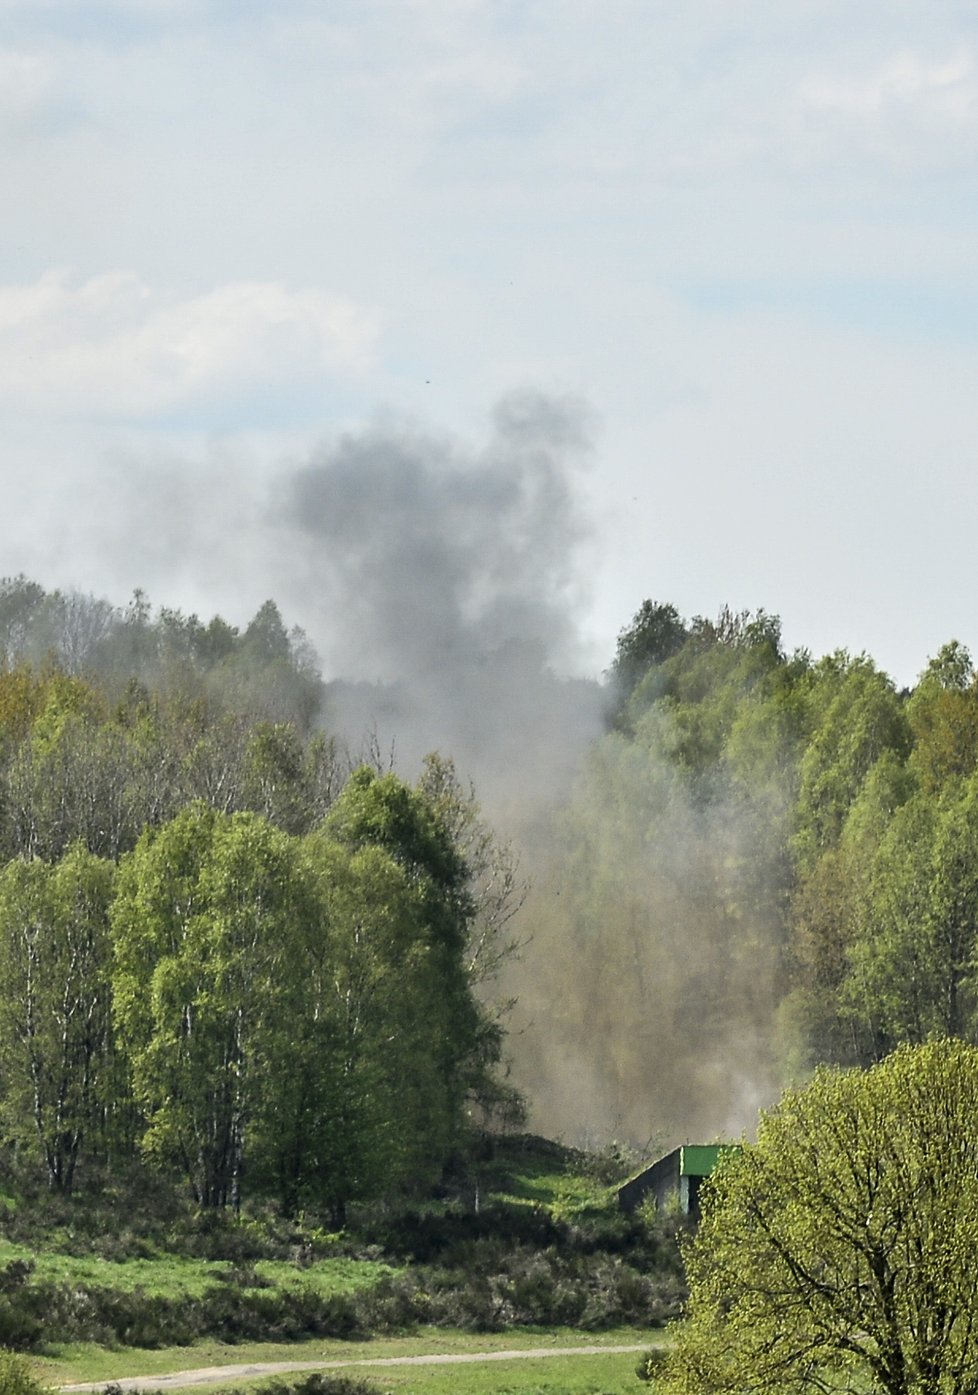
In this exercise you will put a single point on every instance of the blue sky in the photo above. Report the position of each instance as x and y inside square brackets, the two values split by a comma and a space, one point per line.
[743, 235]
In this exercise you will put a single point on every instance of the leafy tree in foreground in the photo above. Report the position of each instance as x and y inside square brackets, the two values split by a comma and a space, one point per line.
[838, 1252]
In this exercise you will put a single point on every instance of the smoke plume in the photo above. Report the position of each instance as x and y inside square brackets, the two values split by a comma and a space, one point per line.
[446, 583]
[440, 583]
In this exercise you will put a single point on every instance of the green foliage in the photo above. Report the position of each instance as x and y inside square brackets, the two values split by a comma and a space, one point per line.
[17, 1377]
[655, 634]
[943, 714]
[300, 1010]
[502, 1267]
[301, 961]
[857, 718]
[54, 985]
[394, 1008]
[319, 1383]
[838, 1250]
[652, 1364]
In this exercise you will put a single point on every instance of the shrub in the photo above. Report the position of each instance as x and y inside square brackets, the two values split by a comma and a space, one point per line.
[320, 1383]
[651, 1364]
[20, 1320]
[16, 1376]
[316, 1383]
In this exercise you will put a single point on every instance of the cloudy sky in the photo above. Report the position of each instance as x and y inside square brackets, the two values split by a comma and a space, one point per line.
[739, 241]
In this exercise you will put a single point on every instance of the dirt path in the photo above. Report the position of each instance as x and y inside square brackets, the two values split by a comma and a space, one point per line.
[206, 1375]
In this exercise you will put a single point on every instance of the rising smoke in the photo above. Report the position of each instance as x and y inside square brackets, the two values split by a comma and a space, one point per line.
[441, 586]
[453, 576]
[449, 578]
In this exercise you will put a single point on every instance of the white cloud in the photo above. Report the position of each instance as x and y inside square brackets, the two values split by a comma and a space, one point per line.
[112, 347]
[946, 87]
[906, 93]
[28, 86]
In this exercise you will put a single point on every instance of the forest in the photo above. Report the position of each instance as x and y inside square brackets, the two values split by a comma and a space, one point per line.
[242, 956]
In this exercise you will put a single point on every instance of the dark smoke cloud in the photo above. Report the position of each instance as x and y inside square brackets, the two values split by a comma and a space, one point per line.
[439, 581]
[430, 556]
[452, 575]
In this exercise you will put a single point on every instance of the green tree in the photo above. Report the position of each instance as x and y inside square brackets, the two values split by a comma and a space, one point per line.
[856, 716]
[54, 991]
[838, 1251]
[205, 926]
[389, 1046]
[837, 928]
[655, 634]
[913, 954]
[943, 714]
[17, 1376]
[383, 812]
[365, 1107]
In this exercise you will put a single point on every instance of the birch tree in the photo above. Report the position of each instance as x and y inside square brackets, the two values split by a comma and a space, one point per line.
[54, 988]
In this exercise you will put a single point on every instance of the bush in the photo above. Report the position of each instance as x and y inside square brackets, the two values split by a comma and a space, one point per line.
[319, 1383]
[495, 1286]
[652, 1363]
[316, 1383]
[20, 1318]
[16, 1376]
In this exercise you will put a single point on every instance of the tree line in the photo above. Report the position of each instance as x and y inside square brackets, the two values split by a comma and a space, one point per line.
[770, 860]
[289, 1013]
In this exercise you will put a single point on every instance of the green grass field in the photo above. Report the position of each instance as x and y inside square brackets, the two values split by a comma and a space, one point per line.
[84, 1362]
[582, 1375]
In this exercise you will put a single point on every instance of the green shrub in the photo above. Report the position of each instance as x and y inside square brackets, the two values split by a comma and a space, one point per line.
[652, 1364]
[319, 1383]
[20, 1318]
[316, 1383]
[16, 1376]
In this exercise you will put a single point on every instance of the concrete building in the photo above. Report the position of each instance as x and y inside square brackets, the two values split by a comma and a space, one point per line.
[675, 1180]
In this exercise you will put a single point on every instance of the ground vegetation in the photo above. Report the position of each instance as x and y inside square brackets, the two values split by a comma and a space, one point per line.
[521, 1233]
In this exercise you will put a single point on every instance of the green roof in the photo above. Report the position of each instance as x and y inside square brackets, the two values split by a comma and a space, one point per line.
[699, 1159]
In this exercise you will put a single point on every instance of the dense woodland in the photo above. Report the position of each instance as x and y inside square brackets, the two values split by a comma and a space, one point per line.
[238, 956]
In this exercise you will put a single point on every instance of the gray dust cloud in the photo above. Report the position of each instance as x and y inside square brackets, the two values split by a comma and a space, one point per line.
[441, 583]
[447, 581]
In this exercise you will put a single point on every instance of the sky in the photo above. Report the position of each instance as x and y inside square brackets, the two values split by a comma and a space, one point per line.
[737, 244]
